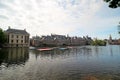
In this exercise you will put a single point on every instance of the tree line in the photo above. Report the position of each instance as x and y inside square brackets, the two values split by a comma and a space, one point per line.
[2, 37]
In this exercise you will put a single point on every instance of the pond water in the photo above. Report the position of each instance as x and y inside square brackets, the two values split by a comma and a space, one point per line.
[77, 63]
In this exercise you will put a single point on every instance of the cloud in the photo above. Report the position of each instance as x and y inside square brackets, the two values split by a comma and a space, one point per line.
[44, 17]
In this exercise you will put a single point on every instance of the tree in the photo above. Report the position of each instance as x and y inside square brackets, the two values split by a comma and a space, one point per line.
[113, 3]
[2, 37]
[98, 42]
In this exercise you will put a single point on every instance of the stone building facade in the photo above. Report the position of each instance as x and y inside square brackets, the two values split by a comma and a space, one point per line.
[113, 41]
[17, 38]
[59, 40]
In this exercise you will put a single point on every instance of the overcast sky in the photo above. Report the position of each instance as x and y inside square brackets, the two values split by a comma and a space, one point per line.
[74, 17]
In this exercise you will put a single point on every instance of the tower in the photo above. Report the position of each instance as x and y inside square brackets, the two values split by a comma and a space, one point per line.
[110, 39]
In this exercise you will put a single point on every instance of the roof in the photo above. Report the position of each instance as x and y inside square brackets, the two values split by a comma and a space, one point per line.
[16, 31]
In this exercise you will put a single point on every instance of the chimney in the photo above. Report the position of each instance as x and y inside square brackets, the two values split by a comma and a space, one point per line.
[9, 27]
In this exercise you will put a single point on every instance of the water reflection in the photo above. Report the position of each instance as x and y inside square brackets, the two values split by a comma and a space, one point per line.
[77, 63]
[86, 51]
[14, 56]
[111, 51]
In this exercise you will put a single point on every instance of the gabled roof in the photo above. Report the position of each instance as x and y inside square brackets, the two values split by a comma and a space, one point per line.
[16, 31]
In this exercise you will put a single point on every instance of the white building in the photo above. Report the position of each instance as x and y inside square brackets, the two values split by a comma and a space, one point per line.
[17, 38]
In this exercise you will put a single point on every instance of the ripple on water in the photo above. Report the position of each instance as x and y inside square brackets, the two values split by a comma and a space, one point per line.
[80, 63]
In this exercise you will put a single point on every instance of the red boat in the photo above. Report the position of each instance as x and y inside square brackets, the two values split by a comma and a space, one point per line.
[45, 49]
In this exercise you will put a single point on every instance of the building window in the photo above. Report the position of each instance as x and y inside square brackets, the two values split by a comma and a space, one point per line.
[21, 36]
[12, 36]
[21, 41]
[11, 41]
[17, 41]
[17, 36]
[8, 38]
[26, 39]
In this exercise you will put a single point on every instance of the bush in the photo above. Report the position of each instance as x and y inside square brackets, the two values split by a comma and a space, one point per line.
[98, 43]
[2, 37]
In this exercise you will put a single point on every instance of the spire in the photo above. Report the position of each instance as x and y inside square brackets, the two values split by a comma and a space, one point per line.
[110, 37]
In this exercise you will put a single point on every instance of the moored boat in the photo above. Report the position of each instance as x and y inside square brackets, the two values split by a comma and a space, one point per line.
[31, 48]
[63, 48]
[45, 49]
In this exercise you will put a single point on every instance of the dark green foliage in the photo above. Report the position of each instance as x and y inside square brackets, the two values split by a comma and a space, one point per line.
[113, 3]
[98, 42]
[2, 37]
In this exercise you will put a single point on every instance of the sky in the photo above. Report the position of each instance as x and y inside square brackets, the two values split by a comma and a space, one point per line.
[73, 17]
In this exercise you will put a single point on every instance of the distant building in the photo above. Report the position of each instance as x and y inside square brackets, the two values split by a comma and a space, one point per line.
[113, 41]
[17, 38]
[59, 40]
[35, 41]
[88, 40]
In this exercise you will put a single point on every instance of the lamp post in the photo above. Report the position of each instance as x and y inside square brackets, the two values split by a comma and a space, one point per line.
[119, 28]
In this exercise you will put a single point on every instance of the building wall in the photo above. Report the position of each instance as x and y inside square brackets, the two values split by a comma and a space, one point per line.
[58, 40]
[18, 40]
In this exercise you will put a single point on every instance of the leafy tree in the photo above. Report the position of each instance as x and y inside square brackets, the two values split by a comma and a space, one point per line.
[113, 3]
[2, 37]
[97, 42]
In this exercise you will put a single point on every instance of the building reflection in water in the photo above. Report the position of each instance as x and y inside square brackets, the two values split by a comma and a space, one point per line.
[57, 53]
[111, 50]
[13, 56]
